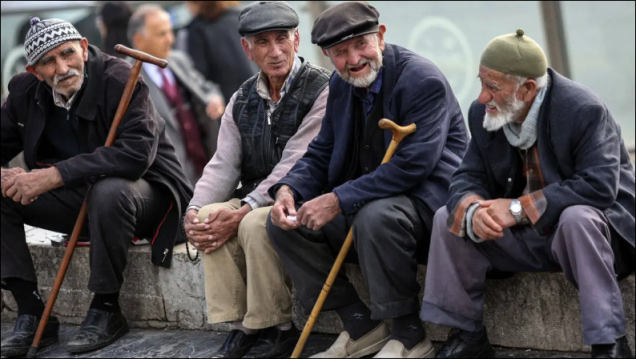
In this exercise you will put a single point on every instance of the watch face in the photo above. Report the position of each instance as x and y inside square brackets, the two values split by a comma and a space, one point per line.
[516, 208]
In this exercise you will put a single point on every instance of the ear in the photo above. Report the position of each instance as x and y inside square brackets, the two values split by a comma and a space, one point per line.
[246, 49]
[297, 41]
[31, 69]
[84, 46]
[381, 32]
[324, 52]
[528, 91]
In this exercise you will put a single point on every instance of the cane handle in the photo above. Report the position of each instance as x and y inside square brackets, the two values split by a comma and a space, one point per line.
[140, 56]
[399, 132]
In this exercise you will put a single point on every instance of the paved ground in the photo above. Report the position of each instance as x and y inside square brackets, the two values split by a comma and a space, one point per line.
[184, 344]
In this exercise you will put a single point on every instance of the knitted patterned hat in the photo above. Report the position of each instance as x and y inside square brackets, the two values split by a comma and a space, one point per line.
[45, 35]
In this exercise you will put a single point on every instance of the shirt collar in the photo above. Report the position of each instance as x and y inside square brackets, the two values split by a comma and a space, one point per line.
[262, 86]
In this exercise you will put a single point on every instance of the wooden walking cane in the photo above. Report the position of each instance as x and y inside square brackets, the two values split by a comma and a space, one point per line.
[140, 58]
[399, 134]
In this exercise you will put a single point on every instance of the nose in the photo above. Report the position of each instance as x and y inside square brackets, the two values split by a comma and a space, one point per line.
[484, 96]
[275, 51]
[61, 68]
[354, 58]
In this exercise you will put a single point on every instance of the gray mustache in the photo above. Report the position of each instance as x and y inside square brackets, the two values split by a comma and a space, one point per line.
[59, 78]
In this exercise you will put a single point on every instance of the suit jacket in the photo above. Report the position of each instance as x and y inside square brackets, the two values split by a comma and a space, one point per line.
[199, 92]
[582, 156]
[414, 91]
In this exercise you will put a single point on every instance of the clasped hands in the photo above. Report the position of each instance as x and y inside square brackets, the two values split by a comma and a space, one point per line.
[492, 218]
[219, 227]
[314, 214]
[25, 187]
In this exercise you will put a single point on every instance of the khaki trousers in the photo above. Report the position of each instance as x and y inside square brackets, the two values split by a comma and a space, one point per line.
[245, 279]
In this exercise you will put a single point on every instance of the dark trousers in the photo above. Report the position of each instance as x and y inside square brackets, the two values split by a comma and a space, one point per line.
[387, 234]
[118, 211]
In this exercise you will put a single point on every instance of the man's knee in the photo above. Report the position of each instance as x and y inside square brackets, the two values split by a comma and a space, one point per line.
[441, 218]
[111, 194]
[209, 209]
[577, 218]
[252, 231]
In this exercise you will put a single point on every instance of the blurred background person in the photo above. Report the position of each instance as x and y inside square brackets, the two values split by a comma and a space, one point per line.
[213, 42]
[112, 23]
[186, 101]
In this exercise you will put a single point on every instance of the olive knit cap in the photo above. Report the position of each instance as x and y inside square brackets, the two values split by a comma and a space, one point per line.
[515, 54]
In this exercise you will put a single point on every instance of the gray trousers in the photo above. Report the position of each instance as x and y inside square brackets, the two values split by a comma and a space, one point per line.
[386, 234]
[580, 247]
[118, 211]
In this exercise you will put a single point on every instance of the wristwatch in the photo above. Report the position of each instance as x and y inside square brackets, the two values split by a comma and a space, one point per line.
[517, 210]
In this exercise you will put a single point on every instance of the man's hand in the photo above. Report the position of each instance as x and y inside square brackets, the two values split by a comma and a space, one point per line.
[499, 210]
[8, 174]
[220, 226]
[285, 206]
[26, 187]
[316, 213]
[485, 227]
[216, 107]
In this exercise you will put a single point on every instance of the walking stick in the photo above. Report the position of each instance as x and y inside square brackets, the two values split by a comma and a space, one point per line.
[140, 58]
[399, 134]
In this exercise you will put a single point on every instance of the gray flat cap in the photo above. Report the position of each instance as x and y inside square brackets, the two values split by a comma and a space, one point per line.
[263, 16]
[344, 21]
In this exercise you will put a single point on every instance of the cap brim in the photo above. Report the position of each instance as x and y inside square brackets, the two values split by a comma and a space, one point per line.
[250, 34]
[366, 32]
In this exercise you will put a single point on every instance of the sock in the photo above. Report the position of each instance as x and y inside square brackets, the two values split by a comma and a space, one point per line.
[408, 330]
[106, 302]
[27, 296]
[357, 320]
[285, 327]
[239, 326]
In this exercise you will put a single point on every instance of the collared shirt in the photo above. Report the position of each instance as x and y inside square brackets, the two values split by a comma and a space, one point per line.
[368, 97]
[60, 101]
[154, 73]
[262, 87]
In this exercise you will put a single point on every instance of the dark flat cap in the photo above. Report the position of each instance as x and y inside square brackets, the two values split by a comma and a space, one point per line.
[264, 16]
[344, 21]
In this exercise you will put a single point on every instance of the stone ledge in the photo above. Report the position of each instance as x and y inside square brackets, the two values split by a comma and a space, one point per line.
[538, 311]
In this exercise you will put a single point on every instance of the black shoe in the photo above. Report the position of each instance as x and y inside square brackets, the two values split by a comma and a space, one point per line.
[275, 343]
[619, 350]
[236, 345]
[464, 345]
[18, 344]
[100, 329]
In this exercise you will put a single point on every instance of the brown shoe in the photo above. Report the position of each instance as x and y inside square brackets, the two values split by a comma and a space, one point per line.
[370, 344]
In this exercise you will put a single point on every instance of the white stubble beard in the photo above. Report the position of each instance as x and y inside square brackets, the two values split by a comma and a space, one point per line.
[365, 81]
[506, 114]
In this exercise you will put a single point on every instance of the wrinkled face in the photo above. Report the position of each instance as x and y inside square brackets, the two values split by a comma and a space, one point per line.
[501, 96]
[273, 51]
[359, 60]
[157, 37]
[63, 67]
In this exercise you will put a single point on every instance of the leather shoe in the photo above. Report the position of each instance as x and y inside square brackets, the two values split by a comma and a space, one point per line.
[275, 343]
[370, 344]
[619, 350]
[18, 344]
[461, 344]
[236, 345]
[99, 330]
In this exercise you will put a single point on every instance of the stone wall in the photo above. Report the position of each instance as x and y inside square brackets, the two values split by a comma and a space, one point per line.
[538, 311]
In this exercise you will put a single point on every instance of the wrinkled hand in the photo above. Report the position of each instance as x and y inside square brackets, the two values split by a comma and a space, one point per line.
[26, 187]
[8, 174]
[216, 107]
[499, 210]
[316, 213]
[285, 206]
[220, 226]
[485, 227]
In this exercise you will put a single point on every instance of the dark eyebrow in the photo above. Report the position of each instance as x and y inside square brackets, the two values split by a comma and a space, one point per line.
[68, 51]
[46, 59]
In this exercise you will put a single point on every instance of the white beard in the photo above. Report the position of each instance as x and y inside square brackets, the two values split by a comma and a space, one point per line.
[365, 81]
[506, 114]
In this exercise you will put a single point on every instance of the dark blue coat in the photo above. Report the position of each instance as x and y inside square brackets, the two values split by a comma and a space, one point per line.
[583, 159]
[415, 91]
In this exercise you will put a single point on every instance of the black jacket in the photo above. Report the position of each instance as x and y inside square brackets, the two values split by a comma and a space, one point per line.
[215, 47]
[141, 150]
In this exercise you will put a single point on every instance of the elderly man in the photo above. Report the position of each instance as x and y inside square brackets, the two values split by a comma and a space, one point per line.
[546, 185]
[269, 123]
[59, 114]
[182, 96]
[341, 184]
